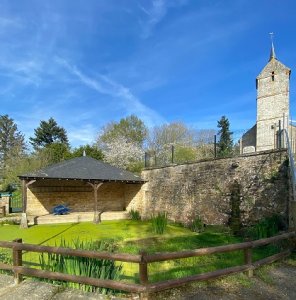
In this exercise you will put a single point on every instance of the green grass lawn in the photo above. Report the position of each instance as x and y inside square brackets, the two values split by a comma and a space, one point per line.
[132, 236]
[118, 230]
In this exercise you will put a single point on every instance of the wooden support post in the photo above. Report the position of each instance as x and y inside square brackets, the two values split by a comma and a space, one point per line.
[24, 221]
[248, 260]
[97, 215]
[143, 273]
[17, 262]
[25, 185]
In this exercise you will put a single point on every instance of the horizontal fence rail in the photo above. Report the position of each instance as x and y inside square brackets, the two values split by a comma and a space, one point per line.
[143, 259]
[219, 249]
[123, 257]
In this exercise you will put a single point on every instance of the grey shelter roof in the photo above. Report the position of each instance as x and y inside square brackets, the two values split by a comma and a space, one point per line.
[84, 168]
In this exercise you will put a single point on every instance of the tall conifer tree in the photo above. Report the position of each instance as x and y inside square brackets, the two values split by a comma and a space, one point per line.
[225, 144]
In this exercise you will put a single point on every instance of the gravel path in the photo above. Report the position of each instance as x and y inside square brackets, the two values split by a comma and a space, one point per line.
[272, 283]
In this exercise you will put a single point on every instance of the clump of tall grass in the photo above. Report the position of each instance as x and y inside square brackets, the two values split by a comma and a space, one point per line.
[159, 222]
[83, 266]
[197, 225]
[267, 227]
[134, 214]
[5, 258]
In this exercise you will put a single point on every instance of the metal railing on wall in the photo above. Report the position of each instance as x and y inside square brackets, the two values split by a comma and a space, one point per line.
[178, 153]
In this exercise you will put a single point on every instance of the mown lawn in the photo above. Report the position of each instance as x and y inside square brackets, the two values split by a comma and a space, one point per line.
[118, 230]
[132, 236]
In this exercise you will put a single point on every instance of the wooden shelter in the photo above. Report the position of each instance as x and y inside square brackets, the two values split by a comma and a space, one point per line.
[84, 184]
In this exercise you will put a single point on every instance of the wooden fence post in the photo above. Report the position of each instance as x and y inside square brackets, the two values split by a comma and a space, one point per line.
[248, 260]
[143, 273]
[17, 261]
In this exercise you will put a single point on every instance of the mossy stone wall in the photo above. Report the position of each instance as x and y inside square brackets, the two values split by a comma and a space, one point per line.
[205, 189]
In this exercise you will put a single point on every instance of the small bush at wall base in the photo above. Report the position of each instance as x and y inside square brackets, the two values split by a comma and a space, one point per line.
[267, 227]
[134, 214]
[159, 222]
[197, 225]
[83, 266]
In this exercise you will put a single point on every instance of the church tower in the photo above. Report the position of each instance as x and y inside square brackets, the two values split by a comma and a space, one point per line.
[272, 102]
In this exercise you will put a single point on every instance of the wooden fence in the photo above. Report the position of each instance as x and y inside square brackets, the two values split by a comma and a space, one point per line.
[143, 259]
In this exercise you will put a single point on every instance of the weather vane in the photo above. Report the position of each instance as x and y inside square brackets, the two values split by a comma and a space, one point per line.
[271, 35]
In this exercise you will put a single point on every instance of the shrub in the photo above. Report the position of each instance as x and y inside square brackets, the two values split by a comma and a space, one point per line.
[83, 266]
[134, 214]
[267, 227]
[5, 258]
[9, 222]
[197, 225]
[159, 222]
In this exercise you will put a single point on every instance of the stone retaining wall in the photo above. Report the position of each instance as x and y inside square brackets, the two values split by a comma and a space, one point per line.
[205, 189]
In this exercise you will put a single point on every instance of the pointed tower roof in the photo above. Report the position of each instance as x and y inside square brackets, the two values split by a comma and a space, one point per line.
[272, 52]
[273, 65]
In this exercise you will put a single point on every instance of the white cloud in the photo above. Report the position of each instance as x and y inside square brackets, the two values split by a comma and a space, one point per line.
[105, 85]
[156, 13]
[6, 22]
[85, 134]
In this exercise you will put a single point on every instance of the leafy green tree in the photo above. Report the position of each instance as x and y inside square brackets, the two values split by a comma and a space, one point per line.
[184, 154]
[23, 164]
[12, 146]
[225, 144]
[131, 128]
[90, 150]
[12, 142]
[48, 133]
[55, 152]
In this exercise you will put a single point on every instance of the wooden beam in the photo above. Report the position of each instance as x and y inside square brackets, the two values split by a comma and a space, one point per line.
[24, 195]
[97, 215]
[133, 258]
[25, 185]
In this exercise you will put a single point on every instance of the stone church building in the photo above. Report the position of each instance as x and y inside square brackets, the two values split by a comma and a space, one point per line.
[273, 109]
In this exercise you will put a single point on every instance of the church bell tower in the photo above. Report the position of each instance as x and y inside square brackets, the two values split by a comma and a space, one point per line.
[272, 102]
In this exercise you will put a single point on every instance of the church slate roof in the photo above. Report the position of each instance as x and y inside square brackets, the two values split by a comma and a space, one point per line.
[84, 168]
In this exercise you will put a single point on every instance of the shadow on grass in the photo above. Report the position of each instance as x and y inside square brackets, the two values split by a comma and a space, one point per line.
[174, 269]
[56, 235]
[179, 243]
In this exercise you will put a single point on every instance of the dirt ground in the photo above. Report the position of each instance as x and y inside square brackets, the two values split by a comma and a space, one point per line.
[270, 282]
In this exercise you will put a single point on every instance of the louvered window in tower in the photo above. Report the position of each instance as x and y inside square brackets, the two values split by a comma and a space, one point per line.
[272, 76]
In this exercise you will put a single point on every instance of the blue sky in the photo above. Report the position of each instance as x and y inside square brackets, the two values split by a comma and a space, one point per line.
[88, 62]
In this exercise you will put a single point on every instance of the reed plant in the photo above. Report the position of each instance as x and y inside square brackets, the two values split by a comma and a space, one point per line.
[197, 225]
[5, 258]
[134, 214]
[265, 228]
[159, 222]
[83, 266]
